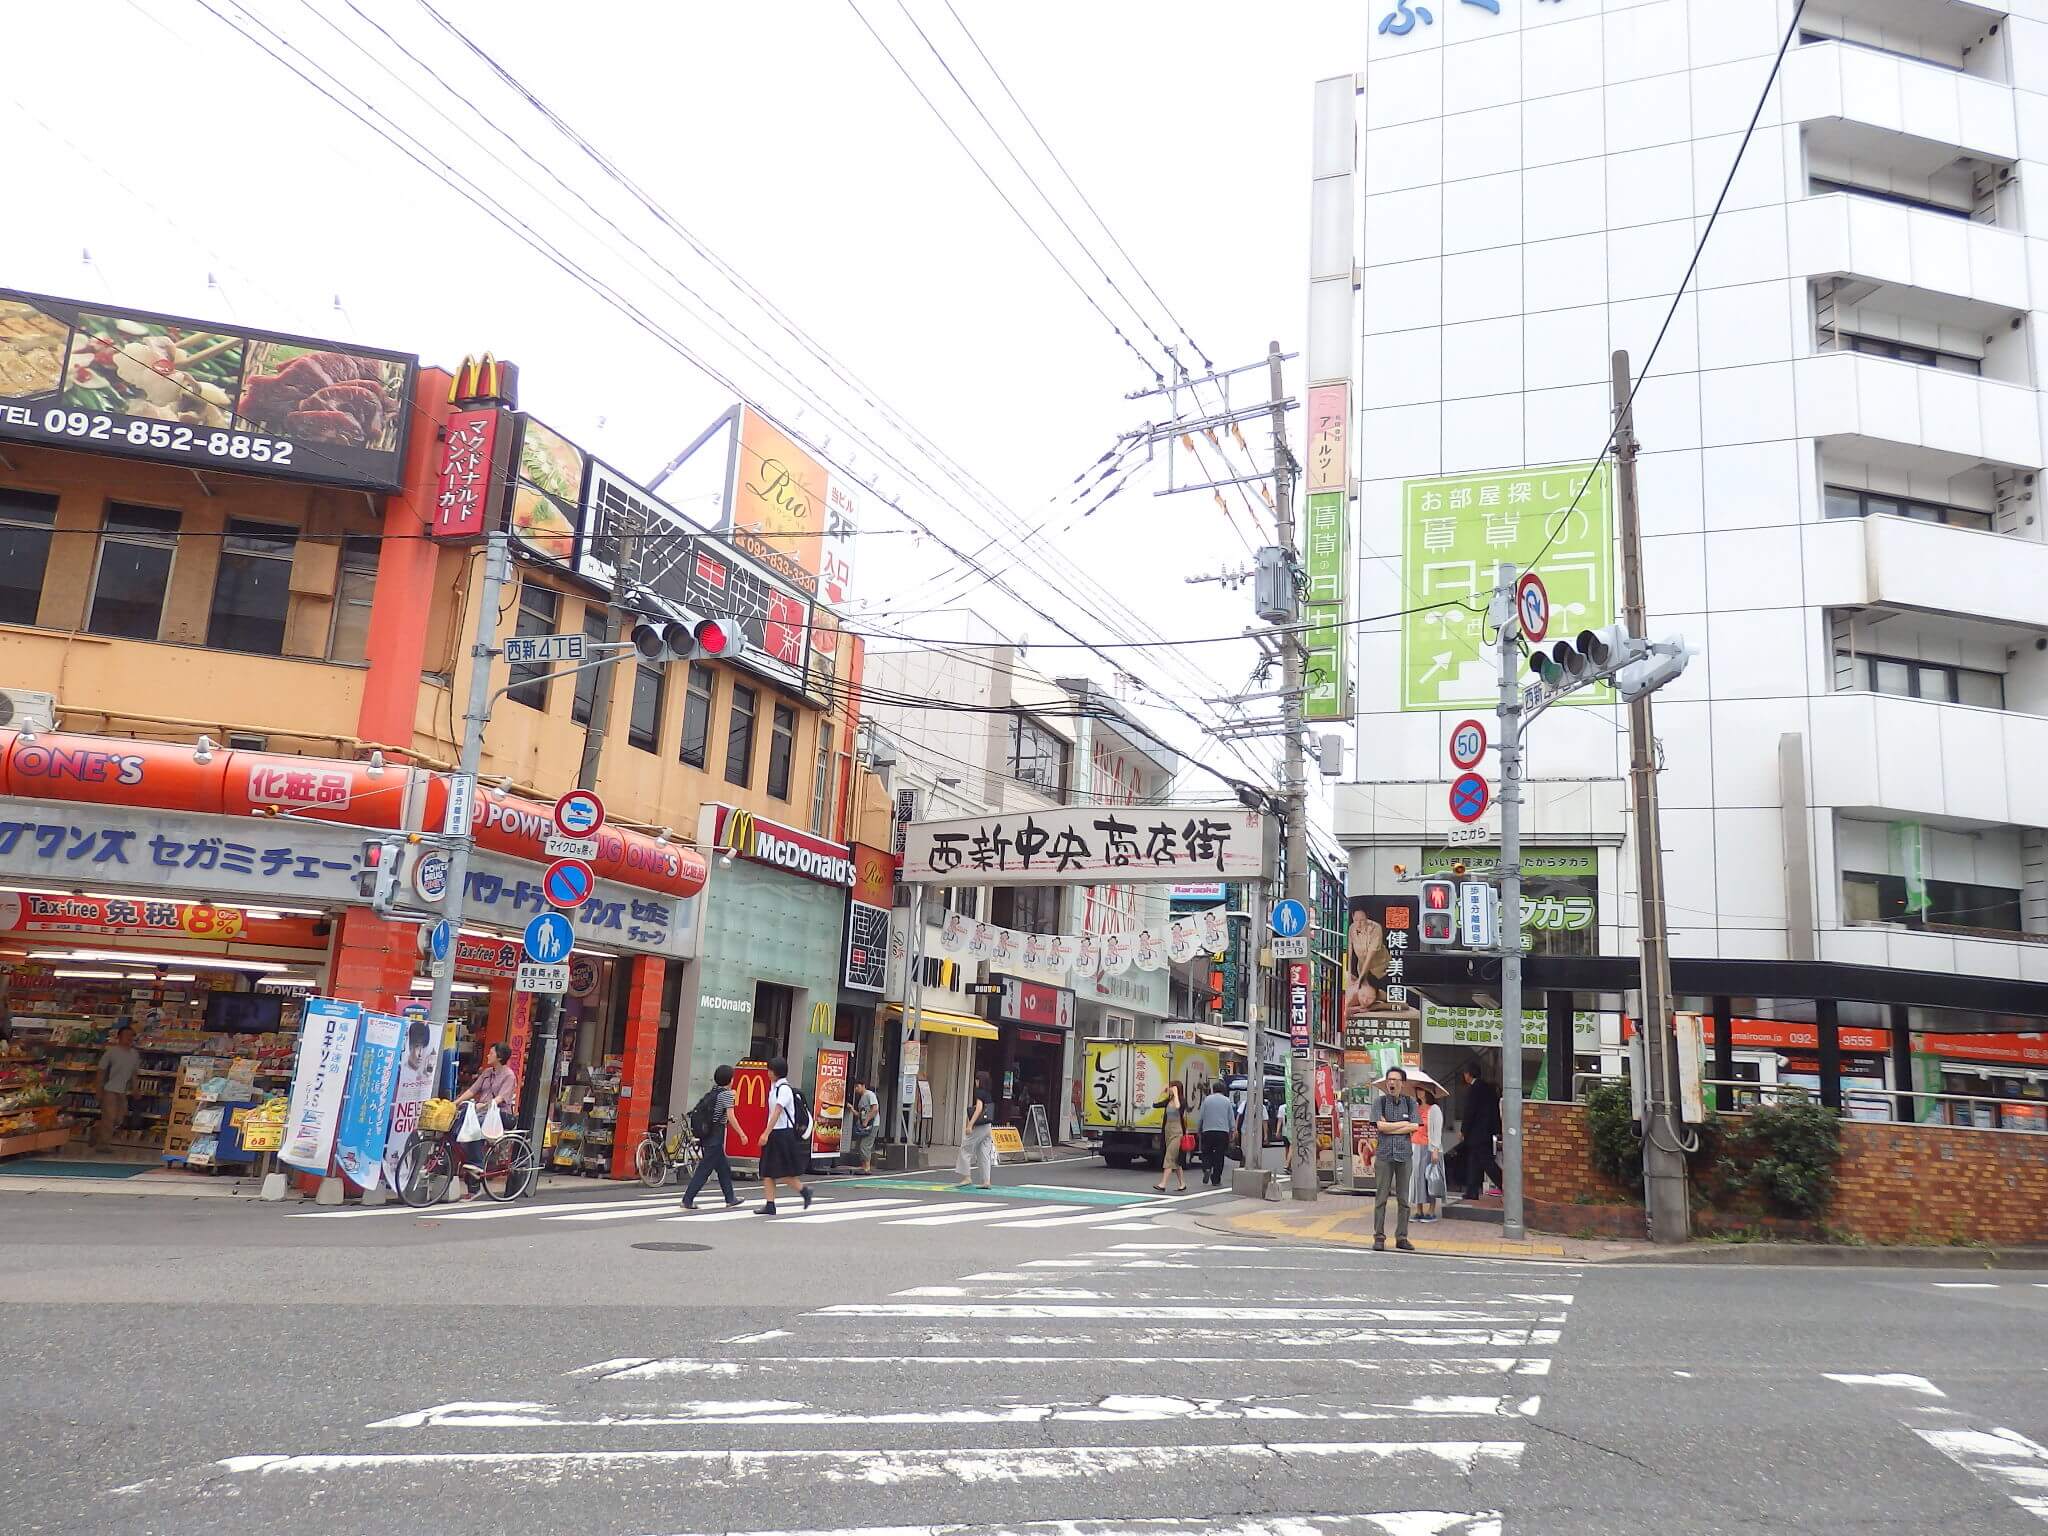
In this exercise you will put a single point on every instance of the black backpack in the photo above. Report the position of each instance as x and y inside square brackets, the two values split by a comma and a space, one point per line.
[800, 1120]
[701, 1113]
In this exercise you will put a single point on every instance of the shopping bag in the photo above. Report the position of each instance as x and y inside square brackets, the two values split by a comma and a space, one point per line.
[1433, 1181]
[472, 1128]
[494, 1124]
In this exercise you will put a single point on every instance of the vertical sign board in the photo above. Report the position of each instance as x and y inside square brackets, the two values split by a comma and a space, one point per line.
[327, 1039]
[417, 1061]
[1328, 669]
[828, 1098]
[748, 1122]
[1456, 531]
[365, 1128]
[474, 475]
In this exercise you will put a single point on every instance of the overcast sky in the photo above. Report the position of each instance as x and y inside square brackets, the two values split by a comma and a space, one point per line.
[205, 178]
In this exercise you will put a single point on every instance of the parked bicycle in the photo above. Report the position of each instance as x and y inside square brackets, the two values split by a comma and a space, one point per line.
[504, 1169]
[666, 1150]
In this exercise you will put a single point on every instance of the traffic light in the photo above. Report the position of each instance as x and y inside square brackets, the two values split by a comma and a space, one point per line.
[1587, 657]
[1660, 662]
[680, 640]
[1439, 911]
[377, 880]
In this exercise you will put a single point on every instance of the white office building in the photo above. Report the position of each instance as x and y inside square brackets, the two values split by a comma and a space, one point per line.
[1842, 441]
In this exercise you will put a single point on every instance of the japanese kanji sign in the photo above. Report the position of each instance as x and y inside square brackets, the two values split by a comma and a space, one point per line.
[1455, 531]
[1084, 844]
[1326, 553]
[470, 487]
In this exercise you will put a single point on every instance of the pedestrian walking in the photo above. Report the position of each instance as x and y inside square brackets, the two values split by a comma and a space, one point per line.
[978, 1137]
[114, 1080]
[1175, 1139]
[784, 1156]
[1394, 1116]
[708, 1117]
[1426, 1176]
[1481, 1123]
[1214, 1120]
[866, 1111]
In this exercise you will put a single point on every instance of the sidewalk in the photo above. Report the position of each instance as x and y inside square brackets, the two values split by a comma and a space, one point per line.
[1347, 1220]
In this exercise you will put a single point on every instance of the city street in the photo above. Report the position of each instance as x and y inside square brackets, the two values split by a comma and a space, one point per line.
[1065, 1353]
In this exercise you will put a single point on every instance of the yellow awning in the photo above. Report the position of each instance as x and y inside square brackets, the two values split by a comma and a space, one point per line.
[937, 1021]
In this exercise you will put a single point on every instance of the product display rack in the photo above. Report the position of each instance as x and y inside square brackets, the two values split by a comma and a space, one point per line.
[585, 1128]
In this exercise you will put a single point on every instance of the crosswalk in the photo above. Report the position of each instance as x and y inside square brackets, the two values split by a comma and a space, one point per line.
[1105, 1392]
[1024, 1207]
[2000, 1457]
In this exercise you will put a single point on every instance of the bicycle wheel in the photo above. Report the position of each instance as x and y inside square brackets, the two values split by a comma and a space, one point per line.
[688, 1155]
[651, 1163]
[423, 1170]
[509, 1168]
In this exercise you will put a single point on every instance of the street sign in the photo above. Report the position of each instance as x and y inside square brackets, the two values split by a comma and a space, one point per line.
[985, 989]
[579, 813]
[1532, 607]
[441, 938]
[1471, 837]
[1298, 1037]
[1477, 909]
[548, 938]
[430, 877]
[1468, 743]
[461, 804]
[1469, 797]
[1290, 917]
[543, 650]
[567, 882]
[551, 979]
[1295, 948]
[556, 846]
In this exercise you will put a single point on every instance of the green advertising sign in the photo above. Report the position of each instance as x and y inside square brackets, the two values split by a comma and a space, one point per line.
[1537, 863]
[1909, 861]
[1456, 531]
[1328, 669]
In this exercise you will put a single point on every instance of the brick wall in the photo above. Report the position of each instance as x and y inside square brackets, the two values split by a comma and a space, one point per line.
[1557, 1158]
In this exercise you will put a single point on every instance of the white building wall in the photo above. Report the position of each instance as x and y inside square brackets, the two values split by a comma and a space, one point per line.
[1534, 184]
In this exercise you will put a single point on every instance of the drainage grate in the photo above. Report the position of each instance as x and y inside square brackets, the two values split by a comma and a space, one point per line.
[673, 1247]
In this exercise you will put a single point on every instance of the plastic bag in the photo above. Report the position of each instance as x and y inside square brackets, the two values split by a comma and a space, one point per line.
[494, 1124]
[472, 1128]
[1433, 1181]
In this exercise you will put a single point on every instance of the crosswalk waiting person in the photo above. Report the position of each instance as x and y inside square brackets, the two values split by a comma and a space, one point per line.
[978, 1137]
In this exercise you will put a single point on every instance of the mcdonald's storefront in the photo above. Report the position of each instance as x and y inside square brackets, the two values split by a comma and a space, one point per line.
[767, 979]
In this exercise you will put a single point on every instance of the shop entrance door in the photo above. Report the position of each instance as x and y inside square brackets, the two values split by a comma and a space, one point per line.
[774, 1006]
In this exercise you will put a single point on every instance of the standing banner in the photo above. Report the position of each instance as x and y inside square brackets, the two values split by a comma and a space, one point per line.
[365, 1130]
[417, 1060]
[748, 1122]
[327, 1038]
[828, 1098]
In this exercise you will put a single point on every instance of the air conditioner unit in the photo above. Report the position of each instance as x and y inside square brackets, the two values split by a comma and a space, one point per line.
[22, 708]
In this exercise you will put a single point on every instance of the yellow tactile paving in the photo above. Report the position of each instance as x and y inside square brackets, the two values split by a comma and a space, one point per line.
[1354, 1228]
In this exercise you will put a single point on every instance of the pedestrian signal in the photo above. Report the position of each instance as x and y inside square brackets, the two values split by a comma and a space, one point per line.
[1439, 912]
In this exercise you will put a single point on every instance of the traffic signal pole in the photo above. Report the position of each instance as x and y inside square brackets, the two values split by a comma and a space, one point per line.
[1507, 621]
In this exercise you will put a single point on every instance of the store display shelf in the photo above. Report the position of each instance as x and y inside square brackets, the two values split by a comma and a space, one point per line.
[34, 1141]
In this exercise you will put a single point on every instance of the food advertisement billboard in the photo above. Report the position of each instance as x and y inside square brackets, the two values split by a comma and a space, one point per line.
[547, 492]
[188, 392]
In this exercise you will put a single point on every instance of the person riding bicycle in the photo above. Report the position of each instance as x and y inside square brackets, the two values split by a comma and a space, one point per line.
[497, 1085]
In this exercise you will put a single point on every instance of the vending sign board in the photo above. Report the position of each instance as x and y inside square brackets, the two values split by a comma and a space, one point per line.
[142, 385]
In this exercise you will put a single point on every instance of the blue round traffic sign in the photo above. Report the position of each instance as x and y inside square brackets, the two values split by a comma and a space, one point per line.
[1469, 797]
[548, 938]
[441, 938]
[567, 882]
[1290, 918]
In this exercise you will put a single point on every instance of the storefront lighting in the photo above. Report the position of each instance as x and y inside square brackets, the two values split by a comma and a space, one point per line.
[202, 751]
[425, 985]
[376, 768]
[32, 890]
[92, 975]
[129, 957]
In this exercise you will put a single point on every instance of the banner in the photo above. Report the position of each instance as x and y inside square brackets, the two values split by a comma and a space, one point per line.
[1089, 844]
[828, 1098]
[365, 1128]
[417, 1063]
[327, 1039]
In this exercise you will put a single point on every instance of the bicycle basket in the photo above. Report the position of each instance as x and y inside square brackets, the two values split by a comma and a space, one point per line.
[437, 1115]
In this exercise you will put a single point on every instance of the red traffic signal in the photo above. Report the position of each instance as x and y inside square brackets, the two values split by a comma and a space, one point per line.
[1439, 911]
[713, 637]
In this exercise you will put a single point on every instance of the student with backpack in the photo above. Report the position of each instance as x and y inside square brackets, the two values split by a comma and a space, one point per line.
[785, 1145]
[707, 1123]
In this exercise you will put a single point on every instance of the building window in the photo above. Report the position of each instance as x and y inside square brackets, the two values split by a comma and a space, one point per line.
[963, 899]
[1039, 758]
[252, 588]
[348, 638]
[697, 703]
[1868, 898]
[26, 521]
[644, 729]
[781, 748]
[1903, 352]
[822, 782]
[594, 631]
[539, 607]
[1026, 908]
[1906, 679]
[134, 572]
[1820, 186]
[1844, 502]
[739, 737]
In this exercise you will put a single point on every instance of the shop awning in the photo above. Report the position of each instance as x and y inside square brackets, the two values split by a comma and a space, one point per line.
[936, 1021]
[1222, 1039]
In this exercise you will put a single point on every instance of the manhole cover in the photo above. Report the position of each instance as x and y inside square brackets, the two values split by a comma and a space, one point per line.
[673, 1247]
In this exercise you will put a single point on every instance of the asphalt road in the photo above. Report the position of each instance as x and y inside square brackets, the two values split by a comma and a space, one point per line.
[1072, 1356]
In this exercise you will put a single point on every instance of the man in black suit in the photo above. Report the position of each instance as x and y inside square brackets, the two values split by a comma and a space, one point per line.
[1481, 1124]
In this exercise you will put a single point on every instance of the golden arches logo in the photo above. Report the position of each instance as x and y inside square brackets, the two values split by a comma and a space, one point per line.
[821, 1018]
[739, 834]
[750, 1089]
[485, 382]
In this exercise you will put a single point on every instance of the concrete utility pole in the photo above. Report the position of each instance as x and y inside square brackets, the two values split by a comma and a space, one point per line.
[475, 716]
[1502, 613]
[1302, 1181]
[1664, 1179]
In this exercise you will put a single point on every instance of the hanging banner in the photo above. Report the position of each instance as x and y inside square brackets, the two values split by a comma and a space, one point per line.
[1087, 957]
[1059, 953]
[1006, 946]
[364, 1135]
[1089, 844]
[417, 1063]
[327, 1039]
[953, 934]
[1215, 930]
[1116, 953]
[828, 1098]
[1148, 953]
[1909, 862]
[1183, 939]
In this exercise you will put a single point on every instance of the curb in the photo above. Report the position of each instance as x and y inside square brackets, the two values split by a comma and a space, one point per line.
[1827, 1256]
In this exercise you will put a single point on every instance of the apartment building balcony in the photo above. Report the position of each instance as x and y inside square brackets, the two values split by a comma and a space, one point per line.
[1894, 758]
[1907, 416]
[1868, 106]
[1898, 562]
[1904, 259]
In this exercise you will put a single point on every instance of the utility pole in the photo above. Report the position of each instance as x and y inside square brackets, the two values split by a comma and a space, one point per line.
[1664, 1179]
[1302, 1180]
[1504, 617]
[475, 716]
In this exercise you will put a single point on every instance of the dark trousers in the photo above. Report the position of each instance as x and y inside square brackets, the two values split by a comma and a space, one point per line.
[713, 1161]
[1215, 1147]
[1389, 1182]
[1480, 1165]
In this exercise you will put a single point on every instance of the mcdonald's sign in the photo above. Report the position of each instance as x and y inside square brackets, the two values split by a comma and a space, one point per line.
[485, 381]
[742, 833]
[748, 1122]
[821, 1018]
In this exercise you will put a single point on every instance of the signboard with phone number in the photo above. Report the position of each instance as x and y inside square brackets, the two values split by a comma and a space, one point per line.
[187, 392]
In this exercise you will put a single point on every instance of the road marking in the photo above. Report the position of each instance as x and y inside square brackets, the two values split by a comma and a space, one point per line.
[1999, 1457]
[978, 1211]
[1055, 1264]
[455, 1212]
[611, 1215]
[845, 1210]
[740, 1213]
[1966, 1285]
[758, 1338]
[1012, 1311]
[1411, 1522]
[639, 1368]
[639, 1205]
[1091, 1219]
[1903, 1382]
[973, 1468]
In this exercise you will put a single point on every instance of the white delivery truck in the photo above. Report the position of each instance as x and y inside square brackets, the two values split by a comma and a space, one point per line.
[1122, 1081]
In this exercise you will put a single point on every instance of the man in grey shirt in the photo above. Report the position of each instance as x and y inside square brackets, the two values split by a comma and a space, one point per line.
[1214, 1120]
[1394, 1116]
[118, 1065]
